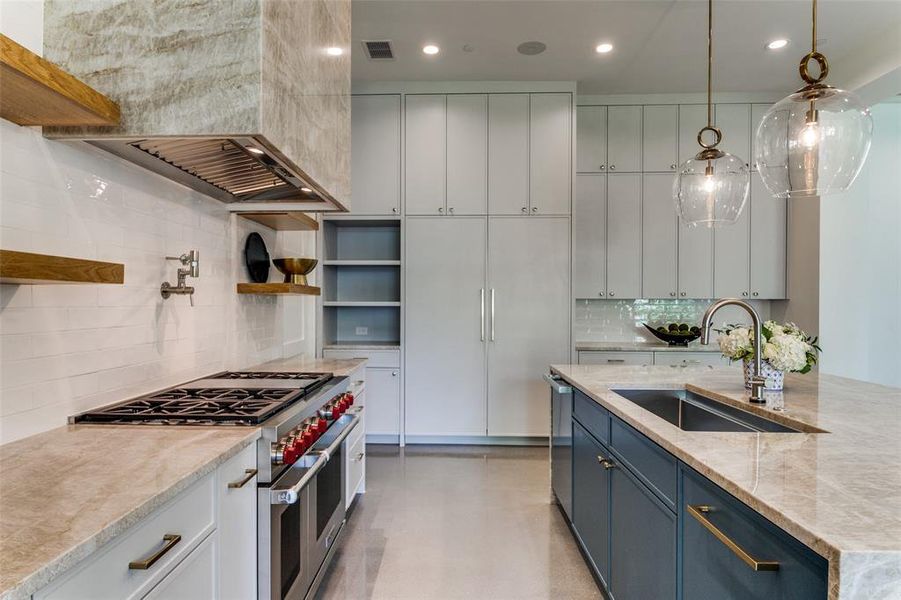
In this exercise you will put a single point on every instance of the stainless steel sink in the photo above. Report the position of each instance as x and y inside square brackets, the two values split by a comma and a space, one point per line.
[692, 412]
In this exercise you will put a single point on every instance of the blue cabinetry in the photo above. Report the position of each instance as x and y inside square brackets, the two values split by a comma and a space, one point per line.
[591, 499]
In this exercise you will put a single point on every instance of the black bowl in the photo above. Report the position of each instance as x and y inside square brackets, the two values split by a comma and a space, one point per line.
[674, 338]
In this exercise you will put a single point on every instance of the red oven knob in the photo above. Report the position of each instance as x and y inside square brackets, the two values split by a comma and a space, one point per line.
[350, 399]
[309, 436]
[321, 426]
[291, 454]
[337, 409]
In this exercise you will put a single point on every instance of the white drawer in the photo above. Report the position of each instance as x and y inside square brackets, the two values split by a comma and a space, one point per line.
[615, 358]
[377, 358]
[106, 575]
[356, 467]
[360, 430]
[194, 577]
[687, 359]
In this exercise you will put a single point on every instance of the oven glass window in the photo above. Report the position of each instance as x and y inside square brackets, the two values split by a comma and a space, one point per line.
[290, 546]
[328, 490]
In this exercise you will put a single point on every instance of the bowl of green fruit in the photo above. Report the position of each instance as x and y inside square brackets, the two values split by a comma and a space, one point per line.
[675, 334]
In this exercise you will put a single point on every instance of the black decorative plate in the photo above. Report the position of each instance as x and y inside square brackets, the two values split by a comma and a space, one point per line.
[676, 338]
[256, 257]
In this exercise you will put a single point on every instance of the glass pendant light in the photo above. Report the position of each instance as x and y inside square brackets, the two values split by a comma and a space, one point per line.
[815, 141]
[711, 188]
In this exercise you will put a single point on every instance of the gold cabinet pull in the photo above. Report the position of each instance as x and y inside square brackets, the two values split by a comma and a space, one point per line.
[606, 462]
[171, 540]
[250, 474]
[699, 512]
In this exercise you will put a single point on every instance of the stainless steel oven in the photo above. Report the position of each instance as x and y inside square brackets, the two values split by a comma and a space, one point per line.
[305, 507]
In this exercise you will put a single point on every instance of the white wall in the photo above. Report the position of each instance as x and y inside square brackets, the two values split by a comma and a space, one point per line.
[65, 349]
[860, 264]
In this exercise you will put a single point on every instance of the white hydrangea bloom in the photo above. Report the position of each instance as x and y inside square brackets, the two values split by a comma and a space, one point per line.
[786, 352]
[735, 343]
[775, 327]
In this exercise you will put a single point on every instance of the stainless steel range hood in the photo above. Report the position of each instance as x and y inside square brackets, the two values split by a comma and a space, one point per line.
[240, 102]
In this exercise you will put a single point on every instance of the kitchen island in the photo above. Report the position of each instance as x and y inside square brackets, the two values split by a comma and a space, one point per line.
[834, 485]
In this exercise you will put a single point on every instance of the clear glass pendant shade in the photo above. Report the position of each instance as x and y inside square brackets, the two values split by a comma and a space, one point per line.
[711, 192]
[813, 143]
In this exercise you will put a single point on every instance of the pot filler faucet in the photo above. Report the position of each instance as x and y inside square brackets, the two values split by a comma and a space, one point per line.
[757, 380]
[191, 262]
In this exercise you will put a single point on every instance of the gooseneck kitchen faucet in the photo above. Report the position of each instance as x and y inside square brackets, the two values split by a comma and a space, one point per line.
[757, 380]
[191, 262]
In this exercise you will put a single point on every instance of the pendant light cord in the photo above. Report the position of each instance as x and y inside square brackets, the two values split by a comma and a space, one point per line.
[710, 61]
[813, 45]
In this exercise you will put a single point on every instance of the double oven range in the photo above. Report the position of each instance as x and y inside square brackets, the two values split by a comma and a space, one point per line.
[305, 419]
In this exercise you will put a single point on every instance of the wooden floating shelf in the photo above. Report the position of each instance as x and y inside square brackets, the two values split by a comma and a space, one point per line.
[361, 263]
[29, 268]
[271, 289]
[283, 221]
[37, 92]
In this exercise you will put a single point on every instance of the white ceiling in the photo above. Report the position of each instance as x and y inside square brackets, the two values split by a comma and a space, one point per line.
[660, 46]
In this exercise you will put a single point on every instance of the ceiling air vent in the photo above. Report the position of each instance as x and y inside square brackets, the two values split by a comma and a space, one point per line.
[379, 50]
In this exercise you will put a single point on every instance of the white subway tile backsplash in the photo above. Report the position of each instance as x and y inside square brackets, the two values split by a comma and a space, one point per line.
[66, 349]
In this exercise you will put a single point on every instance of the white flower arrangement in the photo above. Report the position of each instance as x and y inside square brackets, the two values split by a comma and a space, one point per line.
[785, 346]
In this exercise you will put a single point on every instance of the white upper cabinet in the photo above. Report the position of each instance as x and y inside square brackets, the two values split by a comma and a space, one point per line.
[624, 139]
[550, 149]
[467, 154]
[732, 248]
[624, 236]
[692, 117]
[734, 120]
[695, 262]
[426, 147]
[659, 264]
[375, 156]
[757, 112]
[508, 154]
[591, 139]
[590, 231]
[660, 138]
[768, 242]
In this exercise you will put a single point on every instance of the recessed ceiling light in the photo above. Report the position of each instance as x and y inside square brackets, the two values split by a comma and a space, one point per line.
[603, 48]
[777, 44]
[531, 48]
[254, 150]
[306, 190]
[431, 49]
[334, 51]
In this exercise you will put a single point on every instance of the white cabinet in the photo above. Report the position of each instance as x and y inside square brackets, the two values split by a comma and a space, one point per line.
[624, 236]
[529, 324]
[591, 139]
[375, 155]
[734, 120]
[550, 149]
[195, 576]
[596, 357]
[383, 404]
[508, 154]
[660, 134]
[695, 262]
[425, 152]
[658, 226]
[590, 233]
[236, 488]
[624, 139]
[768, 242]
[732, 248]
[355, 463]
[467, 154]
[446, 320]
[692, 117]
[687, 358]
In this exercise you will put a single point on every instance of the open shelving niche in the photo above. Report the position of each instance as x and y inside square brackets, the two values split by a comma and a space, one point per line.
[361, 282]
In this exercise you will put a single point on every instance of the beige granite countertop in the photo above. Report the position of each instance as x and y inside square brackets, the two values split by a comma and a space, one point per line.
[837, 492]
[643, 347]
[66, 492]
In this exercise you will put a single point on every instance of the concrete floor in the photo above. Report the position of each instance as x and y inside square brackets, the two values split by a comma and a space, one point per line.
[455, 522]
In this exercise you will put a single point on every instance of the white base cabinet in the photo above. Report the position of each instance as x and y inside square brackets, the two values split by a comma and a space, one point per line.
[213, 557]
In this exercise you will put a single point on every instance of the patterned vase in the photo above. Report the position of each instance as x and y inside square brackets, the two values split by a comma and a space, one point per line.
[775, 379]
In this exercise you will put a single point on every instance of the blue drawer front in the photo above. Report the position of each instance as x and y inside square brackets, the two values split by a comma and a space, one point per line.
[591, 499]
[711, 570]
[656, 467]
[592, 416]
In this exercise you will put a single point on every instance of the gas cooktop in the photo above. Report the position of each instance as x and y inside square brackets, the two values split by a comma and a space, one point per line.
[228, 398]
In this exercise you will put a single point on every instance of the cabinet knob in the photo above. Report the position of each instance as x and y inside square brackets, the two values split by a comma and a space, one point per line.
[394, 373]
[534, 209]
[613, 167]
[611, 294]
[755, 294]
[672, 294]
[601, 294]
[672, 167]
[524, 209]
[451, 210]
[682, 294]
[745, 294]
[602, 167]
[394, 210]
[440, 211]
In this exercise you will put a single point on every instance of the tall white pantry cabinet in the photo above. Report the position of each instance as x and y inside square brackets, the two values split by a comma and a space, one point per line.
[487, 183]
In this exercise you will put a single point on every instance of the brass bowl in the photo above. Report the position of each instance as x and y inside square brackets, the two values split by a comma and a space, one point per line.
[295, 269]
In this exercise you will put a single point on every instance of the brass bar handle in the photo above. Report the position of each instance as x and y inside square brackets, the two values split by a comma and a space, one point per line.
[482, 320]
[171, 539]
[360, 456]
[699, 512]
[606, 462]
[492, 314]
[237, 485]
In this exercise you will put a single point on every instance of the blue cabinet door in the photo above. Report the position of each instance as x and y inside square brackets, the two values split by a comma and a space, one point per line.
[591, 499]
[711, 569]
[643, 541]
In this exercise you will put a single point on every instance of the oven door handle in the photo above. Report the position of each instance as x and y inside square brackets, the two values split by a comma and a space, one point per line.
[290, 495]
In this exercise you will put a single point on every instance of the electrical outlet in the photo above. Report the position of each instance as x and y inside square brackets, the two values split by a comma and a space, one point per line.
[362, 331]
